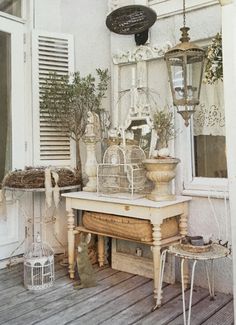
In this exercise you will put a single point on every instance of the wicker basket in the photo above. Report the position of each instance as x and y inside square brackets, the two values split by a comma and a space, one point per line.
[196, 249]
[128, 228]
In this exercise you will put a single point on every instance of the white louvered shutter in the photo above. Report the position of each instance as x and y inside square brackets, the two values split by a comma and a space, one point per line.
[50, 53]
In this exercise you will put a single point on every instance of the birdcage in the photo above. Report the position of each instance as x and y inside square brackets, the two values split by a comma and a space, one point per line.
[122, 173]
[38, 266]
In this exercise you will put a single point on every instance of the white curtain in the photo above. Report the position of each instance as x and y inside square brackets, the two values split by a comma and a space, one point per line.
[209, 117]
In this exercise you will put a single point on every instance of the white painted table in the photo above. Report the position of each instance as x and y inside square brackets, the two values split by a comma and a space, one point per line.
[142, 208]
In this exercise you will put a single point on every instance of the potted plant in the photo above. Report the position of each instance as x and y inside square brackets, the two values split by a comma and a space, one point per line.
[67, 100]
[161, 166]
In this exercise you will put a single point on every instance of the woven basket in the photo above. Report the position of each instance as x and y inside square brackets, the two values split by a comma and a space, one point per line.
[196, 249]
[128, 228]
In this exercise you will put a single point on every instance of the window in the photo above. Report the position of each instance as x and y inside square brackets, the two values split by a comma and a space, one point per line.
[209, 134]
[5, 106]
[11, 7]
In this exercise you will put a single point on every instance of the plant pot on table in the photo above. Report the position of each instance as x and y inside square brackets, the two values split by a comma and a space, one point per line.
[161, 171]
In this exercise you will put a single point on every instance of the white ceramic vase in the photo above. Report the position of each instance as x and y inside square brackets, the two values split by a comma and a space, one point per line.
[161, 172]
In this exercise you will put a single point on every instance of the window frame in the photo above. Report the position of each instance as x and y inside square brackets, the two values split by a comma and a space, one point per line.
[192, 185]
[21, 19]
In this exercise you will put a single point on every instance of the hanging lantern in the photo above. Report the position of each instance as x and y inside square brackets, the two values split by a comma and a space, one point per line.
[185, 64]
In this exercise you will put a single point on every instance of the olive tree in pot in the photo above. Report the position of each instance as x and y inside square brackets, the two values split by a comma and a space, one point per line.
[66, 101]
[161, 166]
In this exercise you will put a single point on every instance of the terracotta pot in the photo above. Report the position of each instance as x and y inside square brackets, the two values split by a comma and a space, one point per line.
[161, 172]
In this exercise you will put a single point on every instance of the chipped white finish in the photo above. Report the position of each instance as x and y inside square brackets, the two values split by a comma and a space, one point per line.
[139, 208]
[141, 53]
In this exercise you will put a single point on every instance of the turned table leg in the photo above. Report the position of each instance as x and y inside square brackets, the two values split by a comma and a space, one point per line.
[71, 243]
[100, 250]
[156, 251]
[183, 230]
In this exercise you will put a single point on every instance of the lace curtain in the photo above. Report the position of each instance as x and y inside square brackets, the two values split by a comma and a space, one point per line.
[209, 117]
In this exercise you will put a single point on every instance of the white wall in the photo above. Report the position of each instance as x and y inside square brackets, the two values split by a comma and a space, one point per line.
[47, 15]
[86, 21]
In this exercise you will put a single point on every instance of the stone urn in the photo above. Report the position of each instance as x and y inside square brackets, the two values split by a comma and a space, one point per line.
[161, 171]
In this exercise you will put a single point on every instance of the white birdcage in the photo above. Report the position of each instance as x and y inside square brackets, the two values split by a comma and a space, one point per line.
[38, 266]
[122, 173]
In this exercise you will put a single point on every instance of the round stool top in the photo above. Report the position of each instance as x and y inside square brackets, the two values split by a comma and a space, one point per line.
[215, 251]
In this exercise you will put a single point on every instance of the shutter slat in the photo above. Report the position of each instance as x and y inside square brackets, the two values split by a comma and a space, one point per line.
[53, 54]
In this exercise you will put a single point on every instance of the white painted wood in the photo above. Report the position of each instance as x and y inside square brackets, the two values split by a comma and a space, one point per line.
[11, 224]
[225, 2]
[229, 67]
[51, 52]
[156, 212]
[126, 202]
[139, 265]
[169, 8]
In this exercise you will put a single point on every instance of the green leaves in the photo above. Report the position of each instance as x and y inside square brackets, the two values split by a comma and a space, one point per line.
[164, 126]
[214, 65]
[65, 100]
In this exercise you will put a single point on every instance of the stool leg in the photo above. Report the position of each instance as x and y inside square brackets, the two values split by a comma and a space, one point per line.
[161, 275]
[211, 281]
[191, 291]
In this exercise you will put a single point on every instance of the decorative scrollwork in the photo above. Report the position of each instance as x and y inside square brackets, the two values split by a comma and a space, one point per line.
[142, 53]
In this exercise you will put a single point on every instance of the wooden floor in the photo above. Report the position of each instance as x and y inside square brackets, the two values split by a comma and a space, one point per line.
[119, 298]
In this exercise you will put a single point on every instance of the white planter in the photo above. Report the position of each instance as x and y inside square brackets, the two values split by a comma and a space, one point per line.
[161, 172]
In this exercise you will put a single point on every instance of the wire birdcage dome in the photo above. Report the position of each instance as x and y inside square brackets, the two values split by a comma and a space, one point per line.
[38, 266]
[130, 154]
[122, 173]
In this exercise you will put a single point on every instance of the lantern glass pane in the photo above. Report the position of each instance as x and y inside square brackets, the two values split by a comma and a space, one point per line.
[194, 68]
[177, 77]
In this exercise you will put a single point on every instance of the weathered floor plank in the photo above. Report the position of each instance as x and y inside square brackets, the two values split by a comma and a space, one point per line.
[10, 295]
[116, 305]
[90, 304]
[204, 309]
[119, 298]
[143, 308]
[224, 316]
[14, 268]
[30, 312]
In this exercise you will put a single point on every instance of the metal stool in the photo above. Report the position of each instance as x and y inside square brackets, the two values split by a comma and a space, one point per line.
[216, 251]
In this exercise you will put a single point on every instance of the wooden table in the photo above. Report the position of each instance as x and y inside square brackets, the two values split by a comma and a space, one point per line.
[142, 208]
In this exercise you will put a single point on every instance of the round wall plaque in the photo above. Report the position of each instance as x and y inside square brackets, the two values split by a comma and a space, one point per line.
[130, 20]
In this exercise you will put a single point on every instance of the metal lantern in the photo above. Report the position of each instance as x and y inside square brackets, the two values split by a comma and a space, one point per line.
[185, 64]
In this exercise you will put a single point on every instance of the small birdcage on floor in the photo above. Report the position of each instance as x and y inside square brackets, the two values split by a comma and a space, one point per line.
[122, 173]
[38, 266]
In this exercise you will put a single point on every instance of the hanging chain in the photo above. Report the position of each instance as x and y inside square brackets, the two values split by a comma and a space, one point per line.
[184, 15]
